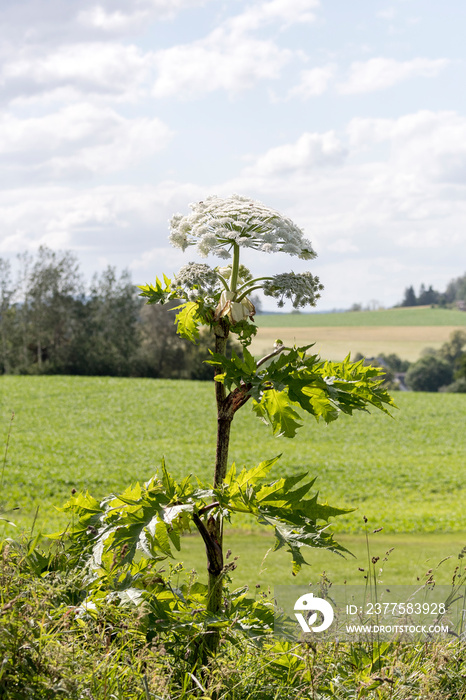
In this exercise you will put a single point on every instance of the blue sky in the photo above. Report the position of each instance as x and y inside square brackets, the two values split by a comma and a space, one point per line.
[350, 118]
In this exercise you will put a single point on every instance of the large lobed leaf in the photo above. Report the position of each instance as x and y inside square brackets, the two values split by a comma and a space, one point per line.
[151, 518]
[188, 321]
[296, 380]
[157, 293]
[283, 504]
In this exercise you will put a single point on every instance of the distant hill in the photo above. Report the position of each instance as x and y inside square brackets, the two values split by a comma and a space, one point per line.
[405, 316]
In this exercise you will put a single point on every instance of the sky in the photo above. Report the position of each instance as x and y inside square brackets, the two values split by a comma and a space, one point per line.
[347, 117]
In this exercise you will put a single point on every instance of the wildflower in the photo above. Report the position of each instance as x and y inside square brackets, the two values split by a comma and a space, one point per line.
[197, 279]
[216, 224]
[302, 288]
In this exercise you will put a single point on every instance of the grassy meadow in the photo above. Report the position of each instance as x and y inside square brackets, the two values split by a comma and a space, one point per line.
[406, 474]
[411, 316]
[404, 331]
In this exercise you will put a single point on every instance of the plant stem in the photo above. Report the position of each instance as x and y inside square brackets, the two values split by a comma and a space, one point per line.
[223, 281]
[234, 268]
[247, 287]
[212, 531]
[6, 449]
[214, 524]
[268, 357]
[248, 291]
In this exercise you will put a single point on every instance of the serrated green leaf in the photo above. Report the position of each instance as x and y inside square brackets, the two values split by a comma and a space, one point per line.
[230, 475]
[282, 493]
[157, 293]
[188, 321]
[286, 537]
[321, 403]
[251, 476]
[276, 408]
[161, 538]
[168, 482]
[249, 361]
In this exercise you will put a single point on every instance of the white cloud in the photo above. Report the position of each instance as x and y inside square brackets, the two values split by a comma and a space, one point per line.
[104, 69]
[311, 151]
[231, 58]
[147, 264]
[374, 224]
[218, 62]
[425, 146]
[97, 17]
[77, 141]
[380, 73]
[89, 62]
[120, 221]
[342, 245]
[273, 11]
[79, 112]
[403, 201]
[52, 22]
[109, 19]
[313, 82]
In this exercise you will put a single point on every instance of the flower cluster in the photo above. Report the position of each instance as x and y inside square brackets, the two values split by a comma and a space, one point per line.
[216, 224]
[302, 288]
[197, 280]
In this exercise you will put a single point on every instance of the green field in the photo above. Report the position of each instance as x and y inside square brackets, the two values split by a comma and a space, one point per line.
[406, 474]
[411, 558]
[408, 316]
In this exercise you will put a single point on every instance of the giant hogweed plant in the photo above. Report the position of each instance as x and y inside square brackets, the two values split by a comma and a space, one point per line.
[280, 387]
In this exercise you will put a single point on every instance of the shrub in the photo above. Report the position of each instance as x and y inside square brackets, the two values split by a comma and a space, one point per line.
[429, 373]
[457, 387]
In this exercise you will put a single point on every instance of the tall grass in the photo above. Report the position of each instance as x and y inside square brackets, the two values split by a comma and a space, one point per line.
[51, 650]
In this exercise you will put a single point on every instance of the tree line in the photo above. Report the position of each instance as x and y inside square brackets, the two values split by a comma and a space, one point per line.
[428, 296]
[436, 370]
[52, 322]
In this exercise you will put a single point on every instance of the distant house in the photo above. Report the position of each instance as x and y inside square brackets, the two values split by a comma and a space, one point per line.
[461, 305]
[400, 379]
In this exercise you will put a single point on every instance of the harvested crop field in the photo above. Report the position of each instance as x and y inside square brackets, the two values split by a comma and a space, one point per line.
[336, 342]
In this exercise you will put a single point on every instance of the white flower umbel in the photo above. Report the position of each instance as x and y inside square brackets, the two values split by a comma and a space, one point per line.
[216, 225]
[225, 226]
[302, 288]
[197, 280]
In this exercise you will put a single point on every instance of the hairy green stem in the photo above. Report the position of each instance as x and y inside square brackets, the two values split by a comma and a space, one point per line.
[214, 549]
[246, 287]
[234, 268]
[274, 353]
[248, 291]
[223, 281]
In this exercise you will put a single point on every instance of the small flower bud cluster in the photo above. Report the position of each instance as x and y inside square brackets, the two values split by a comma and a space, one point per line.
[244, 275]
[198, 280]
[216, 224]
[302, 288]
